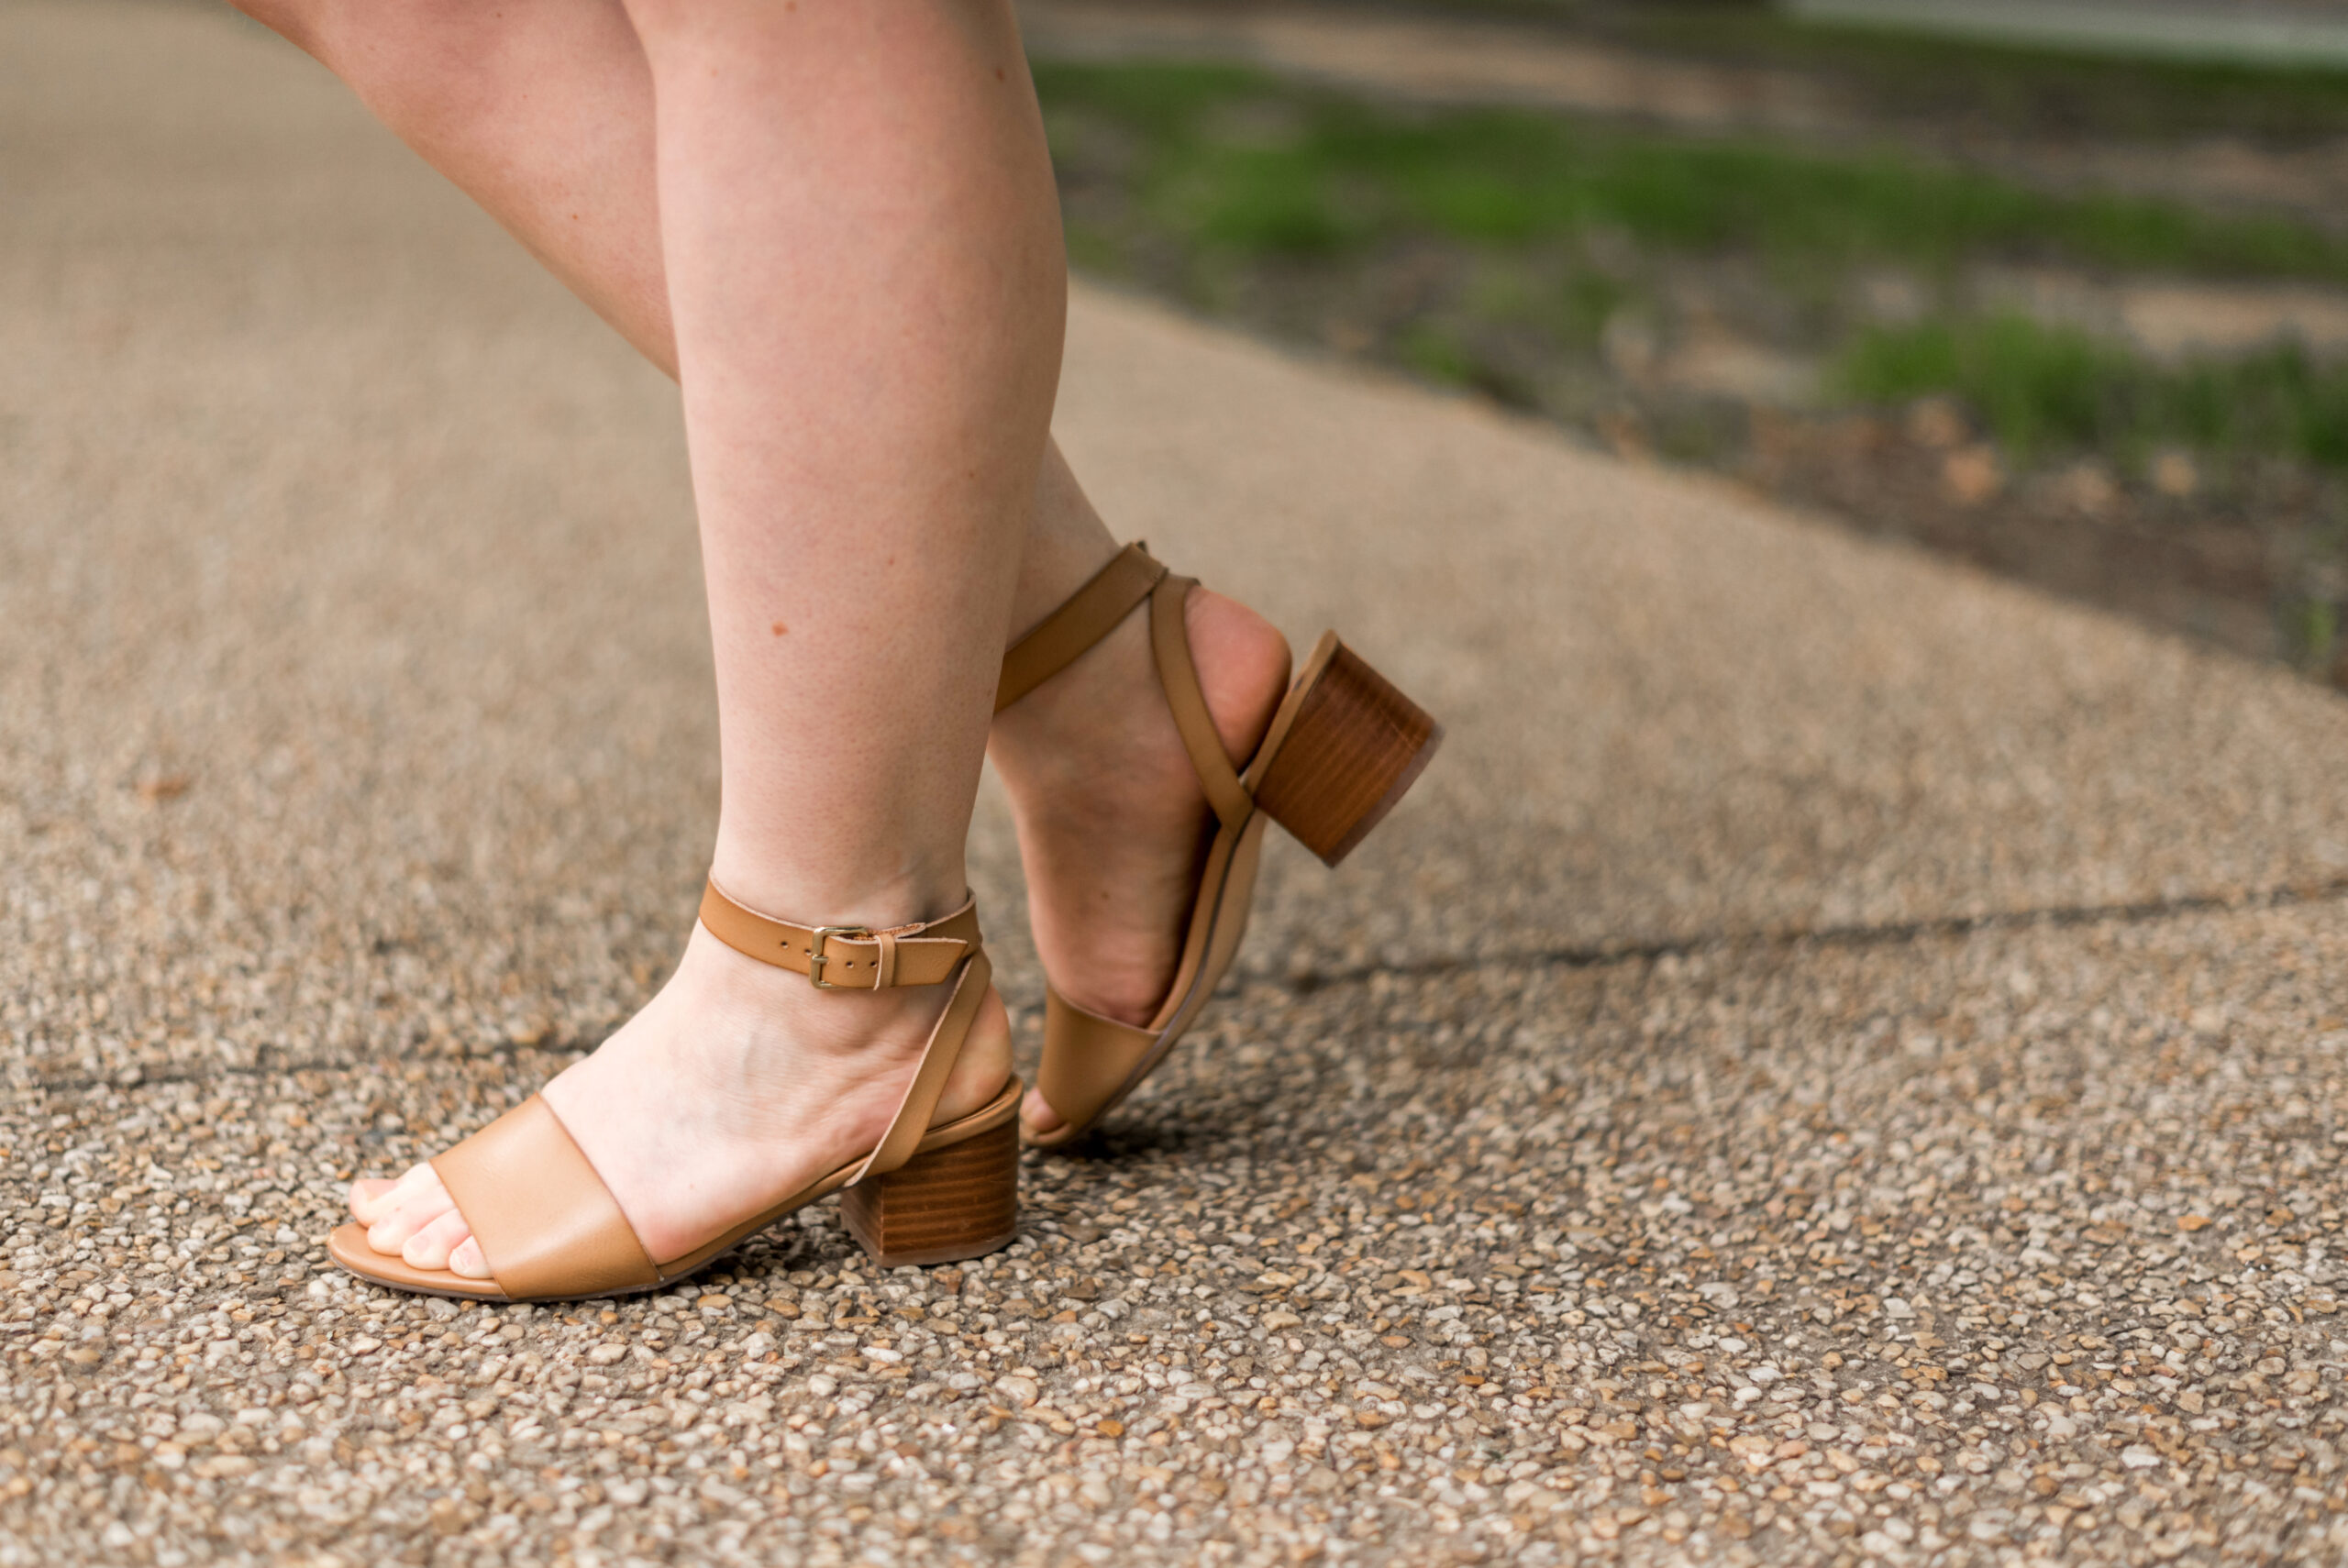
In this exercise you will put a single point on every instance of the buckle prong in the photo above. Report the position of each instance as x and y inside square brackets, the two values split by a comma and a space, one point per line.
[816, 956]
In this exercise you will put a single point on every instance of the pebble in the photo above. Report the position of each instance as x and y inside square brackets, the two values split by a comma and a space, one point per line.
[1558, 1297]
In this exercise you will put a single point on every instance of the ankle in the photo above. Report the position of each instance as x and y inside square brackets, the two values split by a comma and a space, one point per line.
[743, 1039]
[765, 872]
[1066, 544]
[1091, 724]
[759, 1027]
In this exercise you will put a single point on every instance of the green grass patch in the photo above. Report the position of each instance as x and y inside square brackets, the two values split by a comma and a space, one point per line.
[2017, 87]
[2040, 388]
[1437, 355]
[1339, 175]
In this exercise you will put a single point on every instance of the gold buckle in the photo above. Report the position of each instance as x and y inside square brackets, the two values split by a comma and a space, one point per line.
[816, 955]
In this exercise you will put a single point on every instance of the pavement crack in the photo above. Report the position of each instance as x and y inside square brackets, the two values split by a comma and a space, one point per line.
[1607, 955]
[1589, 956]
[266, 1064]
[143, 1078]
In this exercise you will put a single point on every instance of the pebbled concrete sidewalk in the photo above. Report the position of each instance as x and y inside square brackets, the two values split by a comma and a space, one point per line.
[1841, 1060]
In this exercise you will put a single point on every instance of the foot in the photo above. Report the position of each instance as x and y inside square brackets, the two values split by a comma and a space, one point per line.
[736, 1086]
[1112, 822]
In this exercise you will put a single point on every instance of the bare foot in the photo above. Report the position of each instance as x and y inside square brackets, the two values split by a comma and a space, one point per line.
[1112, 822]
[738, 1085]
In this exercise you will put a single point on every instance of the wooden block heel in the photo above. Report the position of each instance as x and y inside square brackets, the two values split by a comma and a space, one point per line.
[1352, 746]
[957, 1203]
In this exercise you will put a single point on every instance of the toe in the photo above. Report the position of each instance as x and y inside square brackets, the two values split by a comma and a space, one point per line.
[467, 1261]
[373, 1199]
[390, 1234]
[1037, 1113]
[430, 1247]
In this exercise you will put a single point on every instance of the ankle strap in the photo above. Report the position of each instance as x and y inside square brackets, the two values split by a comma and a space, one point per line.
[847, 957]
[1178, 676]
[1091, 614]
[926, 952]
[911, 1124]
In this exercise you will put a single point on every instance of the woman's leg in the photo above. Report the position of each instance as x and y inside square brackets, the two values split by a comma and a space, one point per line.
[542, 110]
[861, 248]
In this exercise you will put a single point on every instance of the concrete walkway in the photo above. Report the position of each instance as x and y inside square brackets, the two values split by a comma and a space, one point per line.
[1840, 1059]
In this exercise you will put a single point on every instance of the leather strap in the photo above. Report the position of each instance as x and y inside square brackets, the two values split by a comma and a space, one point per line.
[911, 1123]
[546, 1222]
[1091, 614]
[1169, 641]
[922, 953]
[549, 1227]
[1086, 1059]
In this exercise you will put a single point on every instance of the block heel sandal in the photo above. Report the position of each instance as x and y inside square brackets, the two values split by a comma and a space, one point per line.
[551, 1231]
[1343, 747]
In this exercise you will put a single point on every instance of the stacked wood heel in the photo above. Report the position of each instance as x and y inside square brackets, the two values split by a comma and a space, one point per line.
[960, 1201]
[1353, 745]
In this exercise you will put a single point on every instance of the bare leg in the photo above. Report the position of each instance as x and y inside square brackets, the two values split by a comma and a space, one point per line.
[542, 110]
[861, 248]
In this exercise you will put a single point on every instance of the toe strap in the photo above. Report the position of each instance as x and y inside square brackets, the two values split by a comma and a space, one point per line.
[1087, 1059]
[547, 1225]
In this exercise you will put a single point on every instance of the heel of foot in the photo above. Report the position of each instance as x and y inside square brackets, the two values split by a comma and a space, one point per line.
[1242, 663]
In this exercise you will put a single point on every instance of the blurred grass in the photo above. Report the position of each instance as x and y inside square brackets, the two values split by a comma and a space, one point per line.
[1539, 231]
[1584, 269]
[2039, 389]
[1231, 159]
[2017, 88]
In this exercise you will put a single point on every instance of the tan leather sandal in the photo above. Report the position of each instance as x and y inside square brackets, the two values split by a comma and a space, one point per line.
[551, 1230]
[1344, 747]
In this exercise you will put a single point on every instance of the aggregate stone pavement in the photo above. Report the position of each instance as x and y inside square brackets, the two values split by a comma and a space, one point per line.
[1841, 1061]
